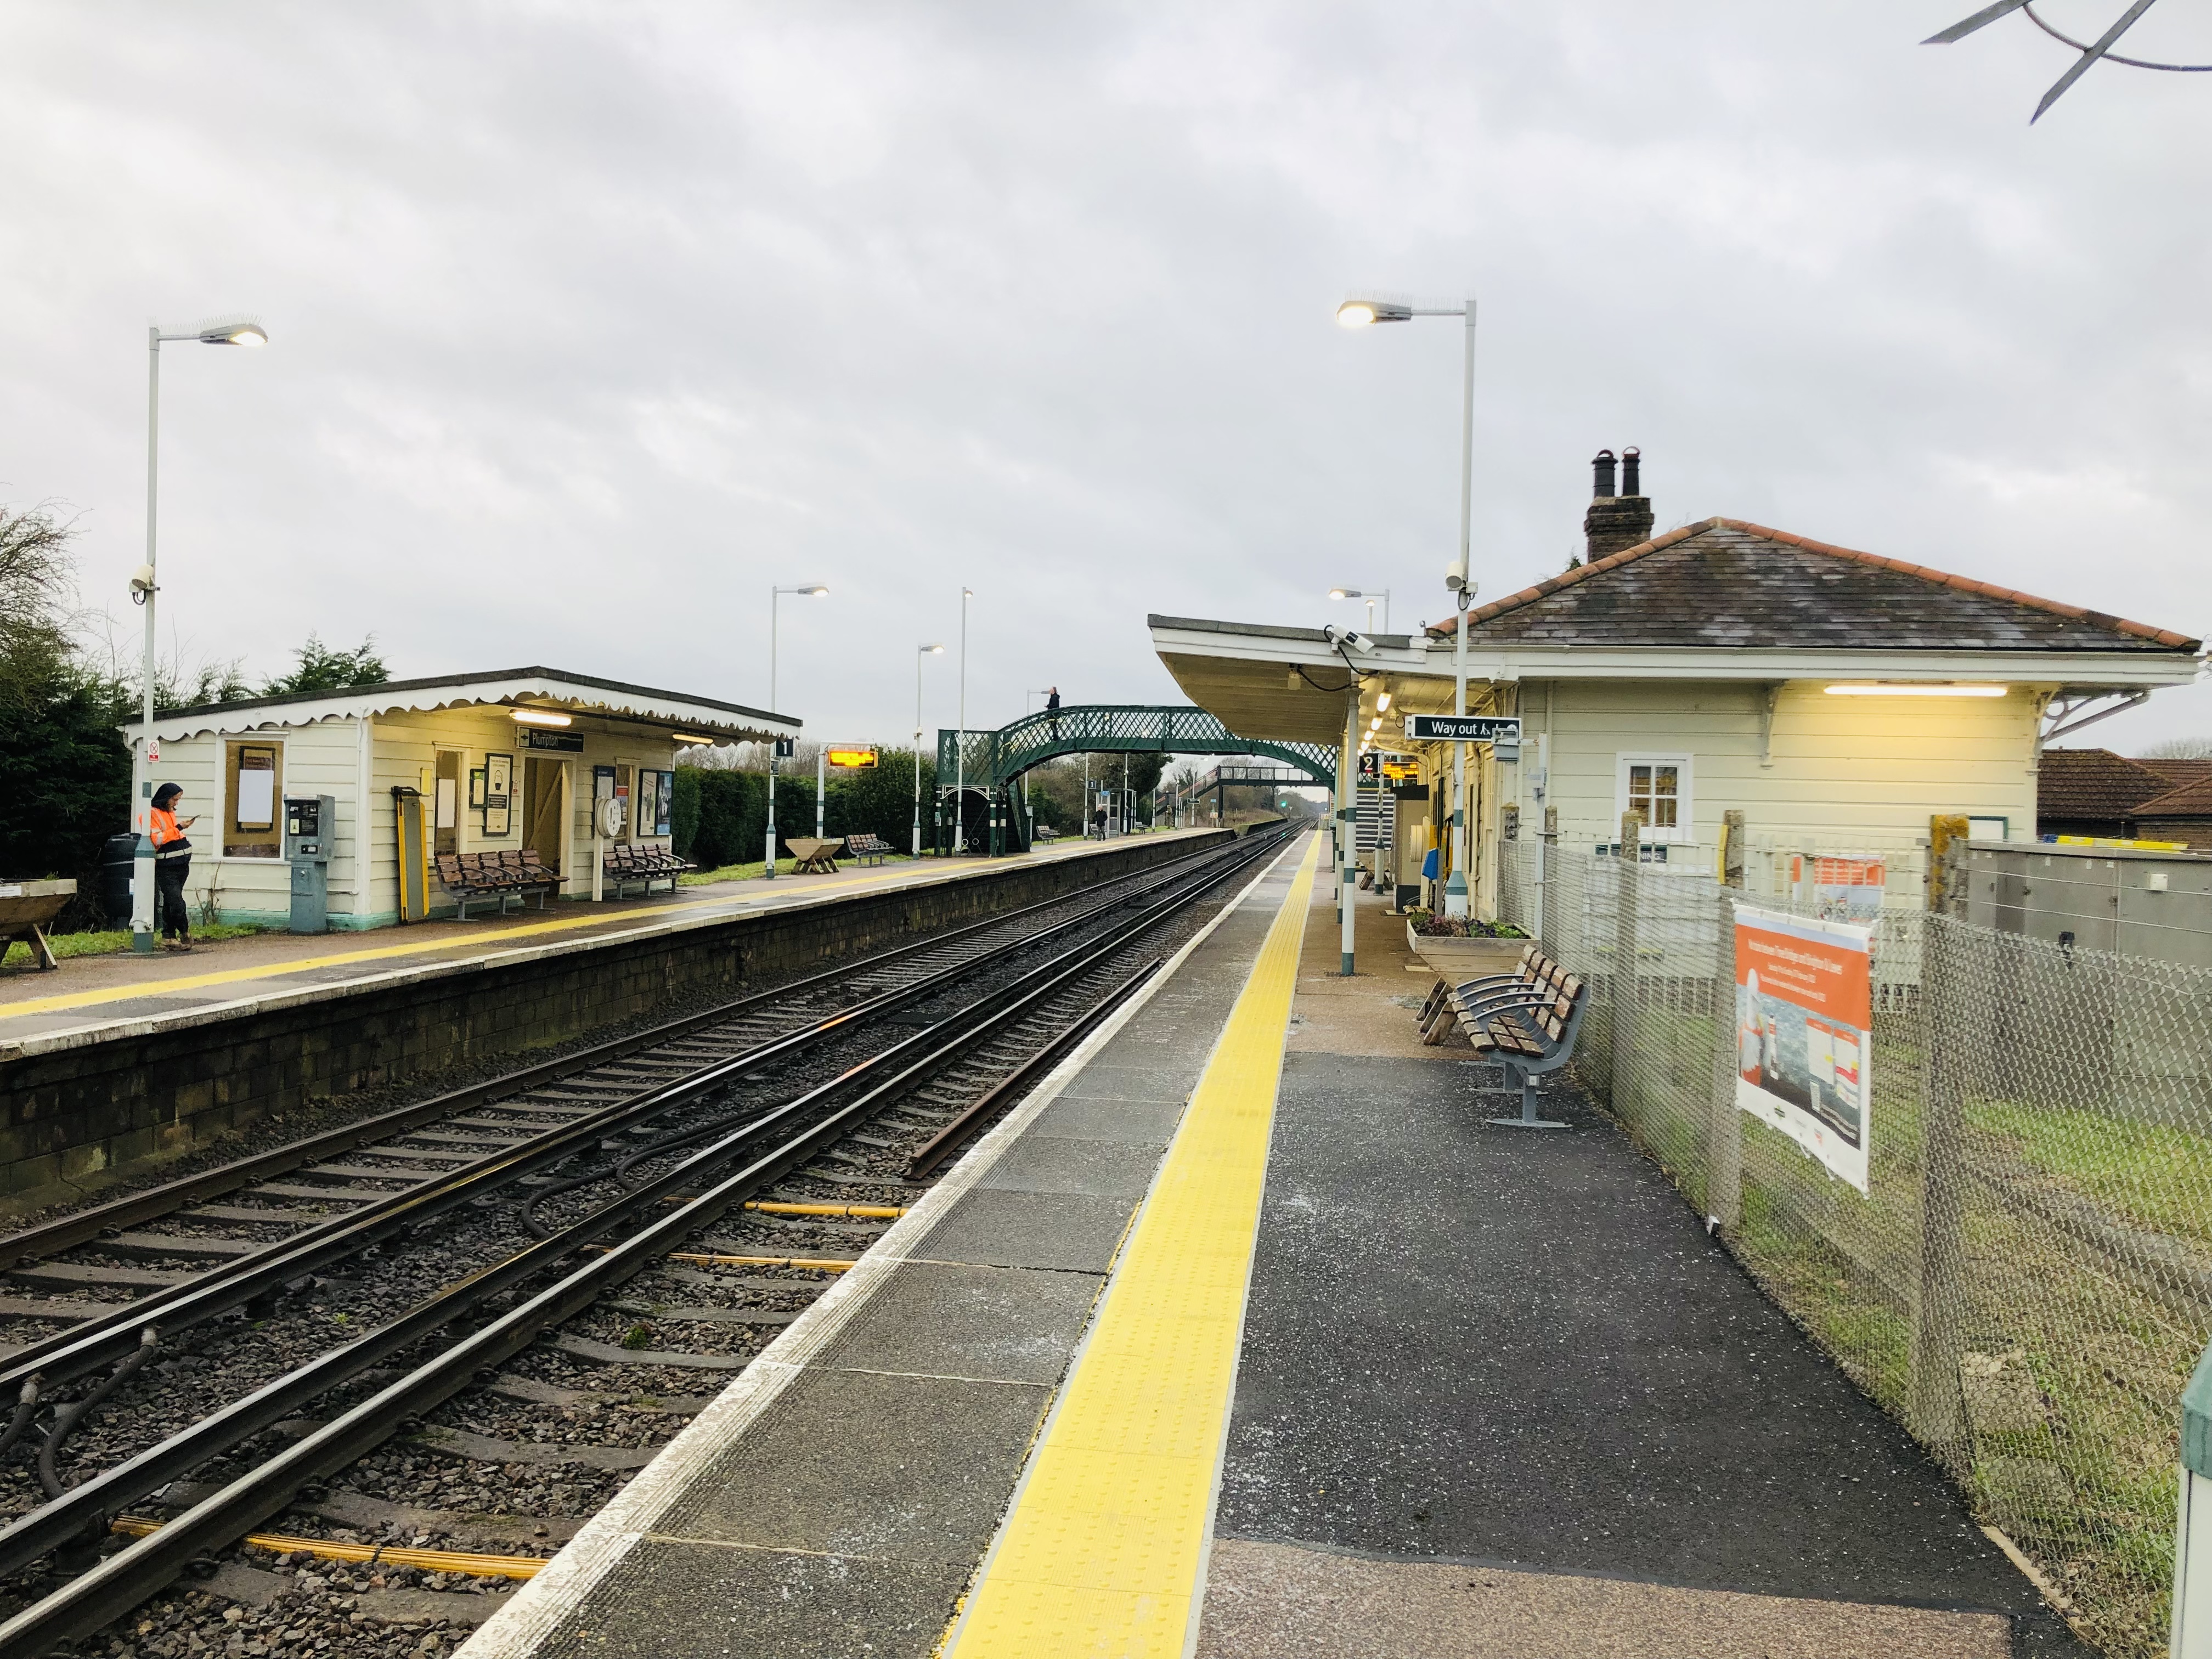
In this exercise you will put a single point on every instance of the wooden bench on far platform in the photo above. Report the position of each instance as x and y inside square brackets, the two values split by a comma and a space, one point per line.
[867, 848]
[627, 862]
[502, 875]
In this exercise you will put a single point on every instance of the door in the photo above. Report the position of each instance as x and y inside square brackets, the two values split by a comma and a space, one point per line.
[446, 822]
[544, 796]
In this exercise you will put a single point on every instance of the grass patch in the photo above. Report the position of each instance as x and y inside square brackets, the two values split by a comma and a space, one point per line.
[2157, 1177]
[109, 943]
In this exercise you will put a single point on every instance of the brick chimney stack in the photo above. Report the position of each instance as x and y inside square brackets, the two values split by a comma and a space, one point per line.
[1615, 521]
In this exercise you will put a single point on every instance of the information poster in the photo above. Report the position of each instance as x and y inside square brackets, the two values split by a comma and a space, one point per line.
[1804, 1033]
[499, 795]
[1844, 888]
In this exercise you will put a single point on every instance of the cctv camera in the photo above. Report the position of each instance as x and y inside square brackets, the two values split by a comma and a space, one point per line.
[142, 583]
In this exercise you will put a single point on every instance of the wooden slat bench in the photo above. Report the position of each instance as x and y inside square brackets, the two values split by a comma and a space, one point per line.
[625, 862]
[867, 848]
[502, 875]
[1530, 1018]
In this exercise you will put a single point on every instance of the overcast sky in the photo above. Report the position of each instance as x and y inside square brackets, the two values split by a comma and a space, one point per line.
[589, 322]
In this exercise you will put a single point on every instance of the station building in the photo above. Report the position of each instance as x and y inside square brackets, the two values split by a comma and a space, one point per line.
[1838, 700]
[507, 760]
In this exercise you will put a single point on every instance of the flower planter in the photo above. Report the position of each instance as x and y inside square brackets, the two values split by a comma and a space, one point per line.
[1462, 959]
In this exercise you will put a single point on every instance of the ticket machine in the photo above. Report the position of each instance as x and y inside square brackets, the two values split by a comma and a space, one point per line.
[310, 825]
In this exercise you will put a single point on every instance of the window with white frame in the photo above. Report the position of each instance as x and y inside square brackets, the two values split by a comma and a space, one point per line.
[1658, 787]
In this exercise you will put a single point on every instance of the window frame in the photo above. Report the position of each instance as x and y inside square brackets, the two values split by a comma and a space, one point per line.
[231, 834]
[1685, 824]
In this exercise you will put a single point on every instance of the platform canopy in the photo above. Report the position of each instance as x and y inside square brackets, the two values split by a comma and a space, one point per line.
[554, 689]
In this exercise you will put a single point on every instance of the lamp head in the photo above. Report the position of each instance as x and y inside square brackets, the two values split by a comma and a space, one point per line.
[235, 330]
[931, 650]
[814, 591]
[1345, 593]
[1359, 313]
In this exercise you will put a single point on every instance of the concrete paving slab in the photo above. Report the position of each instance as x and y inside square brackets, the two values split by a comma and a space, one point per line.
[1068, 1231]
[958, 1319]
[669, 1597]
[836, 1463]
[1098, 1168]
[1131, 1122]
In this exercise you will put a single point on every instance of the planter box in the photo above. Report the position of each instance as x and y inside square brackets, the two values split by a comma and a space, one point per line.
[1461, 960]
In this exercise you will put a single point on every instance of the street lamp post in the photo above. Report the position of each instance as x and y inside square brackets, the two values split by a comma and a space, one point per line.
[960, 738]
[1354, 593]
[1361, 313]
[807, 589]
[920, 652]
[236, 331]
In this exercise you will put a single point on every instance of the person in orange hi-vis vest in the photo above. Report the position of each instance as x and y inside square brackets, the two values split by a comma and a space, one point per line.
[173, 860]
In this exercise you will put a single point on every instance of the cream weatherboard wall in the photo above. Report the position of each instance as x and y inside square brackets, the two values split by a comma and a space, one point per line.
[406, 754]
[1844, 772]
[350, 759]
[322, 759]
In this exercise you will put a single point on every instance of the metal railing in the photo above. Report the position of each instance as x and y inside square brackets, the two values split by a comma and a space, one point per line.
[2027, 1281]
[986, 759]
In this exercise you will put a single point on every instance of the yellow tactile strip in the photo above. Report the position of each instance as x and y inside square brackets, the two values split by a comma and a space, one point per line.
[1101, 1551]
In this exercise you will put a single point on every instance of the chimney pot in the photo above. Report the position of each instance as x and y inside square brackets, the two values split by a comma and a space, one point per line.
[1617, 521]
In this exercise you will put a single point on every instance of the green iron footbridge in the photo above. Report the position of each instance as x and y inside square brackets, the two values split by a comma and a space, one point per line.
[990, 763]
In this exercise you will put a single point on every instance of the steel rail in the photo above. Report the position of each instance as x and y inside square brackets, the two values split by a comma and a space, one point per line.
[275, 1400]
[84, 1347]
[84, 1227]
[92, 1599]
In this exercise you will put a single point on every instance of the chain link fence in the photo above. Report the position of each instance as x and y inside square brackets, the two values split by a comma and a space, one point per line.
[2029, 1281]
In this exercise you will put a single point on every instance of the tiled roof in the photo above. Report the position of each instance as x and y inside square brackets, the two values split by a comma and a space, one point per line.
[2191, 800]
[2092, 783]
[1726, 582]
[2178, 772]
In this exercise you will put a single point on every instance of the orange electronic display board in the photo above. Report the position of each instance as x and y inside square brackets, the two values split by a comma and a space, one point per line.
[853, 756]
[1804, 1033]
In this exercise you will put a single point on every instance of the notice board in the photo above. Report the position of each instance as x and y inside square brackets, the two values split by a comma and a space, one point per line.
[1804, 1033]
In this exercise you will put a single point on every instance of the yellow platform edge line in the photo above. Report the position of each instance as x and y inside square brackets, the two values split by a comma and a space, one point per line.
[154, 987]
[1102, 1549]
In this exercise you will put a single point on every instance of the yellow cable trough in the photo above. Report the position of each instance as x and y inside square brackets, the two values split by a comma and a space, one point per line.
[1101, 1552]
[477, 1566]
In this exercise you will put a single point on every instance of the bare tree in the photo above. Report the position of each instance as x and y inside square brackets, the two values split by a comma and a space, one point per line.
[2179, 749]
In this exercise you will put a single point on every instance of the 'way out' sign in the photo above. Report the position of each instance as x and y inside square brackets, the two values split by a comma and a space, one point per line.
[1502, 729]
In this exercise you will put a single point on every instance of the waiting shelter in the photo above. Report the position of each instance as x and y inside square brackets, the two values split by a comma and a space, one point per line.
[514, 760]
[1723, 681]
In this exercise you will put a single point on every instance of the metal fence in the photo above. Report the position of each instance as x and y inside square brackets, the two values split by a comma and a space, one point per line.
[2029, 1281]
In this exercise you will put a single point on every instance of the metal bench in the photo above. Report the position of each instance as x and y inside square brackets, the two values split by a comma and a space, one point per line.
[501, 875]
[1530, 1018]
[625, 861]
[867, 848]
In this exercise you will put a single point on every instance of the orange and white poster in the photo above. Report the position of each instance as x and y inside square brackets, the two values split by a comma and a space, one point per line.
[1804, 1033]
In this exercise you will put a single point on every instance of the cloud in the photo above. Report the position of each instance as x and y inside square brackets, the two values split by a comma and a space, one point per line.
[590, 323]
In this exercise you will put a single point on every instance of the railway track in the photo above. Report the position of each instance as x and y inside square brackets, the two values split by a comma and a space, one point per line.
[556, 1267]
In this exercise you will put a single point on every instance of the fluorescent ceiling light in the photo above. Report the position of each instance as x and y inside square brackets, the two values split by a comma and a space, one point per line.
[689, 737]
[1913, 689]
[537, 717]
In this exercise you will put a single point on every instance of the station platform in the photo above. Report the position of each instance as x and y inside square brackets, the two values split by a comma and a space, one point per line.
[87, 995]
[1247, 1336]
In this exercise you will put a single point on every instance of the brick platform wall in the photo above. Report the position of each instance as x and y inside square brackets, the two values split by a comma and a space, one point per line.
[75, 1116]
